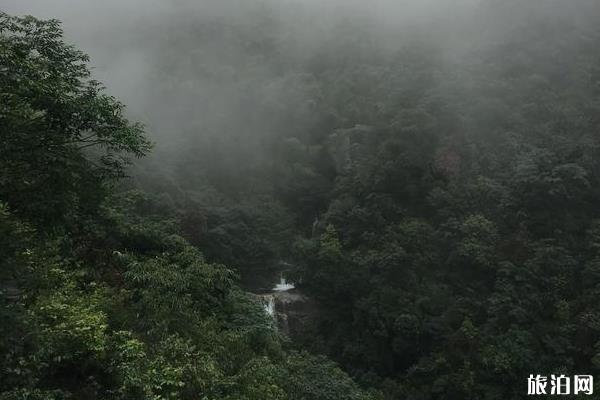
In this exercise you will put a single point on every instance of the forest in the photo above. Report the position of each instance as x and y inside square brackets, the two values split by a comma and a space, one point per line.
[425, 173]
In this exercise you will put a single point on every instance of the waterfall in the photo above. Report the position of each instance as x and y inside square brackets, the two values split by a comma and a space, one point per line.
[283, 285]
[276, 293]
[269, 304]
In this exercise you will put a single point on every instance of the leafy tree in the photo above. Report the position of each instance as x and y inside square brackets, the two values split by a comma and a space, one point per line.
[61, 135]
[118, 305]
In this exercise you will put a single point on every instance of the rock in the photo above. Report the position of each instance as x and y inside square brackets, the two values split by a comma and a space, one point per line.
[290, 309]
[293, 311]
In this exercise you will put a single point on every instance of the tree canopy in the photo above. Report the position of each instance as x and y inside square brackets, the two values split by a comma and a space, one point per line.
[101, 297]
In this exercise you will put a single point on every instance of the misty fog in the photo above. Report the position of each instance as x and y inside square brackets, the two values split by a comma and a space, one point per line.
[346, 199]
[228, 73]
[190, 70]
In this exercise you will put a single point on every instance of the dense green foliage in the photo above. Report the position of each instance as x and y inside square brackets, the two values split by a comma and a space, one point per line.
[437, 191]
[458, 249]
[51, 112]
[101, 297]
[444, 190]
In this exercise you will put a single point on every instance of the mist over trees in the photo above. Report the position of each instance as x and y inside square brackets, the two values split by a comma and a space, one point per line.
[430, 169]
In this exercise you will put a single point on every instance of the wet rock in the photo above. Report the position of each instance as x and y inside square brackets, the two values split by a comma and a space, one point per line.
[293, 311]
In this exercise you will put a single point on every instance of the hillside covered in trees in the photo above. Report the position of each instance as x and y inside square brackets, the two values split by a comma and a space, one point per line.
[102, 298]
[430, 174]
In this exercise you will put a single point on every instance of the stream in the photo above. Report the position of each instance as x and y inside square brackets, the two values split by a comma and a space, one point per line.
[269, 298]
[272, 287]
[281, 300]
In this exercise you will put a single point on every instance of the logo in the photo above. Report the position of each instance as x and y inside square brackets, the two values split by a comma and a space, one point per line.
[560, 385]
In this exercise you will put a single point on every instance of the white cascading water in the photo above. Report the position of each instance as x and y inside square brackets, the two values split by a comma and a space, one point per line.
[269, 304]
[269, 299]
[283, 286]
